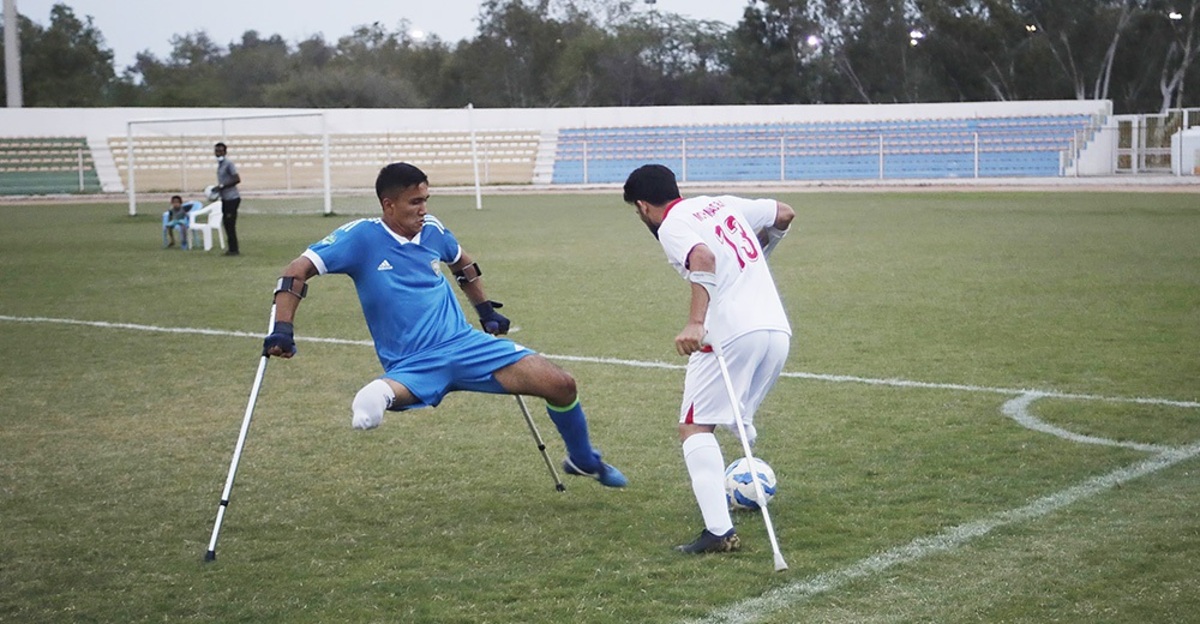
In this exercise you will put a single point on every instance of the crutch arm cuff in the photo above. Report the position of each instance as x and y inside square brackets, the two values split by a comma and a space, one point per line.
[287, 285]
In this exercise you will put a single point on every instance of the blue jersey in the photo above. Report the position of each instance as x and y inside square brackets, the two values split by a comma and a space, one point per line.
[408, 303]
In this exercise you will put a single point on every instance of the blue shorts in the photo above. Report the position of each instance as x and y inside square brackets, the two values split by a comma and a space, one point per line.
[465, 363]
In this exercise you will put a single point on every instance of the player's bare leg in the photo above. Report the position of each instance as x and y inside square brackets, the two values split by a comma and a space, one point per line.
[535, 375]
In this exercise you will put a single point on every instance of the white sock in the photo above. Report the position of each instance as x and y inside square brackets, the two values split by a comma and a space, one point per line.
[705, 465]
[370, 403]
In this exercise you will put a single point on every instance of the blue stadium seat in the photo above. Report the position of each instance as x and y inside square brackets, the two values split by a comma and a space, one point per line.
[930, 148]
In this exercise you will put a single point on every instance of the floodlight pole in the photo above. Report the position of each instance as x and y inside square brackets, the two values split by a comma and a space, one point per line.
[131, 187]
[325, 167]
[474, 156]
[14, 91]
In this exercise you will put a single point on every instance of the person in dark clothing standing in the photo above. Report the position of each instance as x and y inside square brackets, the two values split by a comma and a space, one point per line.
[227, 181]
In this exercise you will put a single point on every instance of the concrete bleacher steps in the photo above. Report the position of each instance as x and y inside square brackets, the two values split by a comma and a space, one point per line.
[106, 168]
[295, 162]
[46, 165]
[543, 167]
[932, 148]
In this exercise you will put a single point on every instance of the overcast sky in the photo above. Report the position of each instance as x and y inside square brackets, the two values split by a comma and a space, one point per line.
[131, 26]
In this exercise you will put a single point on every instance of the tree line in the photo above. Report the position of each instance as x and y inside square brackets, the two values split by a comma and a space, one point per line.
[564, 53]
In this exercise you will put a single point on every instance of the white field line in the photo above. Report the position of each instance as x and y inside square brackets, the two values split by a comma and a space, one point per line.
[754, 609]
[1018, 410]
[899, 383]
[904, 383]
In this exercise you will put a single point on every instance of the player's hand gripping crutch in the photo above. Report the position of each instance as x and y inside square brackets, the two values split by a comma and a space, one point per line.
[537, 437]
[211, 554]
[780, 564]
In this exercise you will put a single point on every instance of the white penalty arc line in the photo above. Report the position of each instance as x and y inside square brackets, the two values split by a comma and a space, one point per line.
[778, 599]
[1018, 410]
[792, 594]
[898, 383]
[755, 609]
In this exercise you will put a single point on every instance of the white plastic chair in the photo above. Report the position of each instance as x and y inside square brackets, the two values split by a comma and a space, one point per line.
[205, 221]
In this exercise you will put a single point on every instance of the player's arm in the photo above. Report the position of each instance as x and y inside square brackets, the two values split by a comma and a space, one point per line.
[702, 264]
[234, 179]
[467, 273]
[289, 290]
[770, 236]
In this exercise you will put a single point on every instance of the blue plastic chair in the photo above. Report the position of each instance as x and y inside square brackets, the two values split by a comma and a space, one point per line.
[181, 224]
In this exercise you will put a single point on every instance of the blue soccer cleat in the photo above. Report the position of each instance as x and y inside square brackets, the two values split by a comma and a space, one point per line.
[607, 475]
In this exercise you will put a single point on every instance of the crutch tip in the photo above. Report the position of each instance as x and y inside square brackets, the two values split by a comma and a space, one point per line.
[210, 556]
[780, 564]
[560, 487]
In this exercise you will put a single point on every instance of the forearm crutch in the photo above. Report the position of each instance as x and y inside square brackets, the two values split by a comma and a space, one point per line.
[211, 554]
[537, 437]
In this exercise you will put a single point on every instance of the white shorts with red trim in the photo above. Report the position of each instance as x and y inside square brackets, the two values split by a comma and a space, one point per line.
[754, 360]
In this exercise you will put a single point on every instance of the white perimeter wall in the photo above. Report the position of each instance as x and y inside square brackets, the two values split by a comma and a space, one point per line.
[102, 123]
[98, 125]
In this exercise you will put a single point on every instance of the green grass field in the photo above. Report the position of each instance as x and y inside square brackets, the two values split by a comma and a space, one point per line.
[991, 413]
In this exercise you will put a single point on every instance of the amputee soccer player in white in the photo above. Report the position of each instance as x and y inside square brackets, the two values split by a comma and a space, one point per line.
[422, 338]
[720, 246]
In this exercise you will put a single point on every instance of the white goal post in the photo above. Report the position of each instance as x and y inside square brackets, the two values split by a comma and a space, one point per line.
[275, 153]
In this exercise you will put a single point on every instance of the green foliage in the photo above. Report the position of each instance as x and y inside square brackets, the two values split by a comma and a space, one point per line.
[332, 88]
[191, 76]
[877, 56]
[253, 65]
[115, 442]
[552, 53]
[770, 60]
[66, 63]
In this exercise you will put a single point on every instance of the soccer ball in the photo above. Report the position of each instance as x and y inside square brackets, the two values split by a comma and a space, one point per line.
[212, 193]
[739, 486]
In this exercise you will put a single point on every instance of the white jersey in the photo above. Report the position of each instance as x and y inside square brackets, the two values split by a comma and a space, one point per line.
[746, 299]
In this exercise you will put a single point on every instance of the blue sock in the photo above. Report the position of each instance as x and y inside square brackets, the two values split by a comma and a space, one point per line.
[572, 426]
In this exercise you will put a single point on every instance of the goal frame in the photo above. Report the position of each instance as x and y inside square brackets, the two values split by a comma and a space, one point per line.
[131, 163]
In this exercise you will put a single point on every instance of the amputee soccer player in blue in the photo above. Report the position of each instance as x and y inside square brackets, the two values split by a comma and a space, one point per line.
[423, 340]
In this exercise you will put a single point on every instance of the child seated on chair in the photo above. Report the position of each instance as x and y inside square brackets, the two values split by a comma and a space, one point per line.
[177, 217]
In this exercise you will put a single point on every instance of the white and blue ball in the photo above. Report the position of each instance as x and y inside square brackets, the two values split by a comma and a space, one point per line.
[739, 483]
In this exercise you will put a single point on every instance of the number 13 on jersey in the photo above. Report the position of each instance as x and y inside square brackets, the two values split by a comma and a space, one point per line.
[739, 240]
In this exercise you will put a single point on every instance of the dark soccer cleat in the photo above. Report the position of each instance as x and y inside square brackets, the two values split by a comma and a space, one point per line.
[607, 475]
[709, 543]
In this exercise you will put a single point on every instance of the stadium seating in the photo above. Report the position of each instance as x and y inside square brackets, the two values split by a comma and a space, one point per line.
[999, 146]
[935, 148]
[46, 165]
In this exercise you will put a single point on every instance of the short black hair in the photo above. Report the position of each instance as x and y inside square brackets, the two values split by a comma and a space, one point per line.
[651, 183]
[396, 176]
[221, 145]
[175, 197]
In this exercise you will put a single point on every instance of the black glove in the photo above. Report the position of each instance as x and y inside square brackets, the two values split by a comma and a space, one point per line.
[492, 321]
[281, 336]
